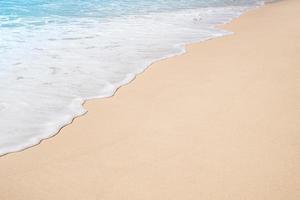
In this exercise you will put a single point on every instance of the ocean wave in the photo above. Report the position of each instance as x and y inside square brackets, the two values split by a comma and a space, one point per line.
[48, 68]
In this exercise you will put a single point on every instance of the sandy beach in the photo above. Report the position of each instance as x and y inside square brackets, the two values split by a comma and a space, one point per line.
[219, 122]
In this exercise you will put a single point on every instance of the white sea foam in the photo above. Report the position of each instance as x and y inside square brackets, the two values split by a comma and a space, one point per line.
[47, 72]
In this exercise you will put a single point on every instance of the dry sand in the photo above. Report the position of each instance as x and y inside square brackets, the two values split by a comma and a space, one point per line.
[220, 122]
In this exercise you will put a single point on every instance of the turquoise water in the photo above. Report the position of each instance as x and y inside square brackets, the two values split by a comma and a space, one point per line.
[104, 8]
[56, 54]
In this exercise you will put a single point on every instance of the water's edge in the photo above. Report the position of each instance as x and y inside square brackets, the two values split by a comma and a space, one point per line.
[183, 50]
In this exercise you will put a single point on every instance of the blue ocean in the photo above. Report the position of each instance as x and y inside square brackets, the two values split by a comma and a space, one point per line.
[55, 54]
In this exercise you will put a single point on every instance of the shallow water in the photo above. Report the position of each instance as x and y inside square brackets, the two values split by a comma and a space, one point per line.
[55, 54]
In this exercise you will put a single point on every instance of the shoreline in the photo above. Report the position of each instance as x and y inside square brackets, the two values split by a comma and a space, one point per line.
[219, 122]
[125, 82]
[129, 78]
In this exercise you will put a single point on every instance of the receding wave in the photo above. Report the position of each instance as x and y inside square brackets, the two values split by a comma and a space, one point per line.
[52, 60]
